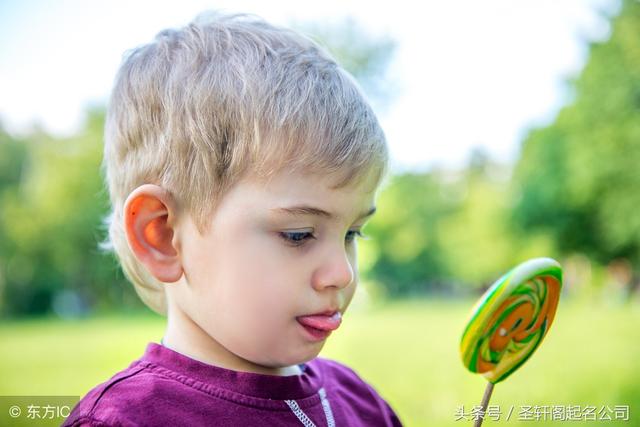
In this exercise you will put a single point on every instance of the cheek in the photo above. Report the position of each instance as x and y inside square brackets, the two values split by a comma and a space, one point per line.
[266, 279]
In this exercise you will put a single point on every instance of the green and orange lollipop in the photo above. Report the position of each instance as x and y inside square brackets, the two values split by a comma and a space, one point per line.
[510, 320]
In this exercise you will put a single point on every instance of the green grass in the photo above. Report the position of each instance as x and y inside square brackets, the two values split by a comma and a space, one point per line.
[408, 351]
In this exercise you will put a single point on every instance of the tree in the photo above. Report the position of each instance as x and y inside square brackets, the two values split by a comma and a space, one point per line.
[404, 255]
[579, 177]
[13, 155]
[51, 221]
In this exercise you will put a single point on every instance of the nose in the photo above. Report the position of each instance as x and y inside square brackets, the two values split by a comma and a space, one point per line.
[336, 271]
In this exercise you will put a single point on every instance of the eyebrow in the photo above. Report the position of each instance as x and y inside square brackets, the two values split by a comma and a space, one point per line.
[310, 210]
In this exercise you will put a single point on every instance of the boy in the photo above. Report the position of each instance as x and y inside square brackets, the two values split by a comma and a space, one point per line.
[241, 163]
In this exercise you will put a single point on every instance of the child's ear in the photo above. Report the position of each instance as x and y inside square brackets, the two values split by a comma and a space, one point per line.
[149, 215]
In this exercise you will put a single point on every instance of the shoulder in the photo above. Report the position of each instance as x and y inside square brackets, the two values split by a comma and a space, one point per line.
[341, 376]
[346, 385]
[338, 372]
[121, 400]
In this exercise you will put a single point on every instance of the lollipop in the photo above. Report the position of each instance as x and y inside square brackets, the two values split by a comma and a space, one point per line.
[510, 320]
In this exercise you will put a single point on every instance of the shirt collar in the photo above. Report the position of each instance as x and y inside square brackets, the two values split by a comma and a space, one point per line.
[248, 383]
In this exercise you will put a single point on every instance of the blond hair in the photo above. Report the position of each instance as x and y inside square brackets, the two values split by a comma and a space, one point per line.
[199, 107]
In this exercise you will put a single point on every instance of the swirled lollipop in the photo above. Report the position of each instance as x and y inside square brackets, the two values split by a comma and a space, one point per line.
[510, 320]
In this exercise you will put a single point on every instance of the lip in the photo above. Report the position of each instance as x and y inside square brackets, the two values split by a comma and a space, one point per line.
[323, 313]
[314, 334]
[320, 325]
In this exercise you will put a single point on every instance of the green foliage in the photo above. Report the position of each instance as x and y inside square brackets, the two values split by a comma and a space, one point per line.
[405, 251]
[476, 237]
[578, 177]
[446, 231]
[12, 157]
[13, 154]
[50, 222]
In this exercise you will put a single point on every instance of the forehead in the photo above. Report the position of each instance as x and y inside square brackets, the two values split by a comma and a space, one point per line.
[295, 193]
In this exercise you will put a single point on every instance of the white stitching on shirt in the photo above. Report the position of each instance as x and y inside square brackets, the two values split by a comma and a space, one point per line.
[304, 419]
[327, 408]
[298, 413]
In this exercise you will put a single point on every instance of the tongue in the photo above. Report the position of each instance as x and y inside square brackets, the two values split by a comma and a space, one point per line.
[325, 323]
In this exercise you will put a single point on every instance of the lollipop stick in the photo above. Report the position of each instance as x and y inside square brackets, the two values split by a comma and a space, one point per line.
[485, 402]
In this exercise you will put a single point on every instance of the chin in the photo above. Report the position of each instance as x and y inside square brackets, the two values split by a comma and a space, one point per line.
[307, 354]
[303, 355]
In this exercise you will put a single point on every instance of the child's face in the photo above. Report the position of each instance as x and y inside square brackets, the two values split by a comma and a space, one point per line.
[245, 284]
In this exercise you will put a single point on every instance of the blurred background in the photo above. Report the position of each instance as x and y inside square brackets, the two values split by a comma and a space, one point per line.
[514, 131]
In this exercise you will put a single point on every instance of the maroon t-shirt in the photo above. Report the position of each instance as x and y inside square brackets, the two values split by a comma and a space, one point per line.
[167, 388]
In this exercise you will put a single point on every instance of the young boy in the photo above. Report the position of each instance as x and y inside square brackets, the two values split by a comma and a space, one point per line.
[241, 162]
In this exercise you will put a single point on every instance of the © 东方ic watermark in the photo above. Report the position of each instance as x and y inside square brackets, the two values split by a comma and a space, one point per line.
[37, 410]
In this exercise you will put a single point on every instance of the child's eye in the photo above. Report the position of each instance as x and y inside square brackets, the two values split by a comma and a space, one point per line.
[297, 238]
